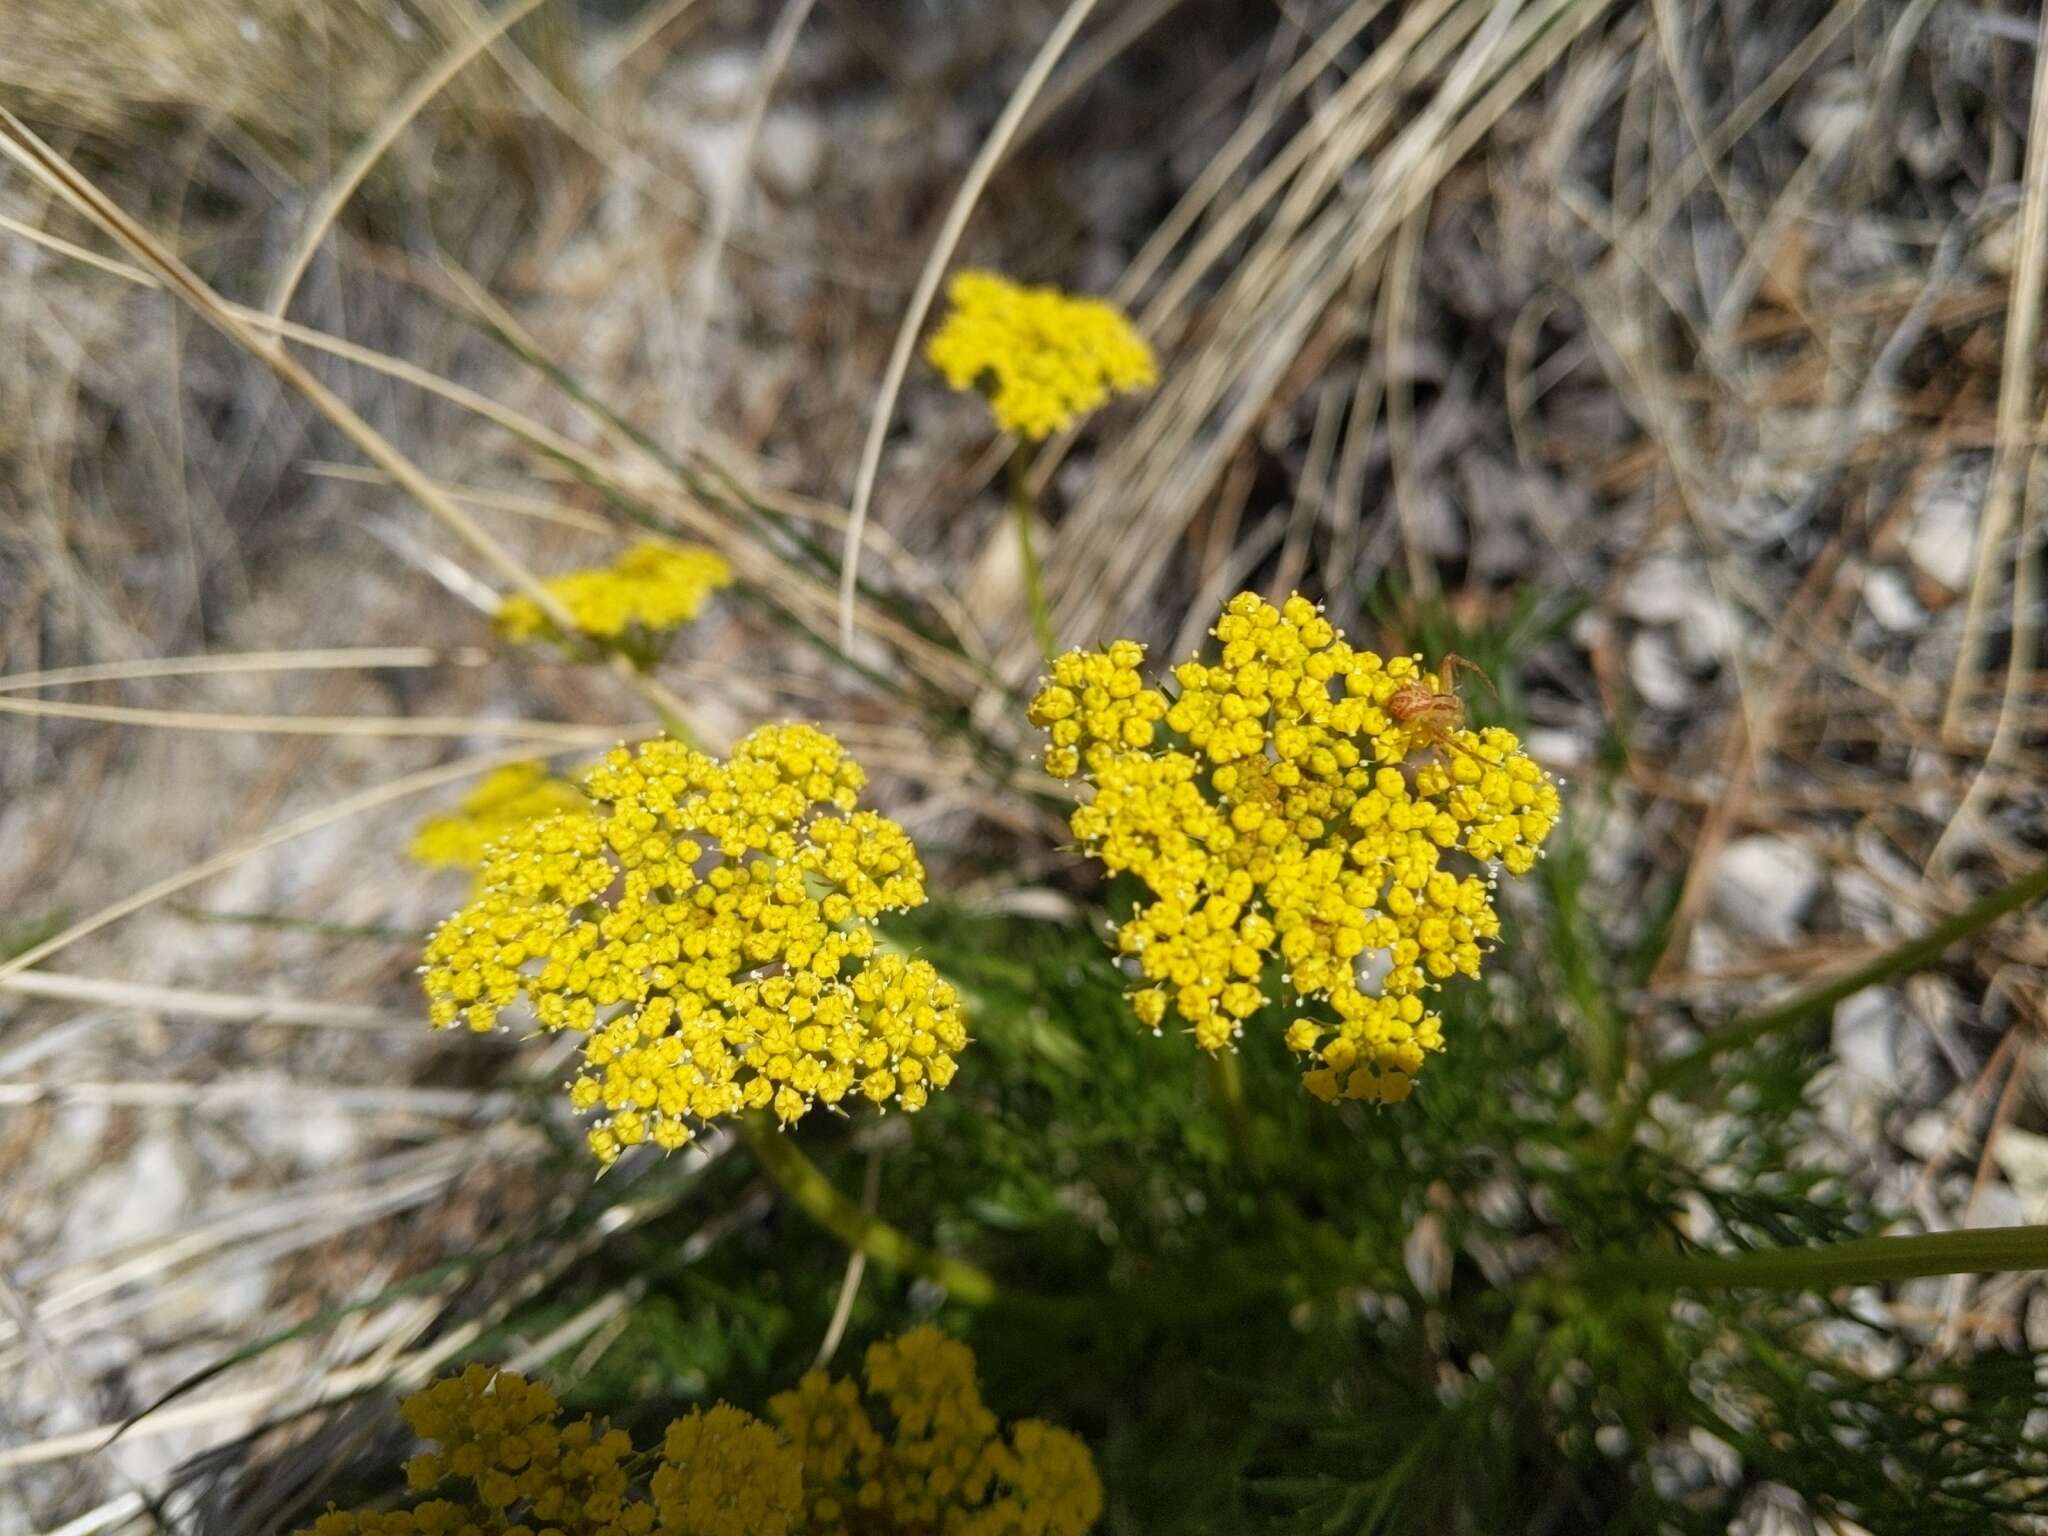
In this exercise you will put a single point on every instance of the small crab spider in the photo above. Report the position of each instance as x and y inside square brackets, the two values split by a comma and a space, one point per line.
[1429, 706]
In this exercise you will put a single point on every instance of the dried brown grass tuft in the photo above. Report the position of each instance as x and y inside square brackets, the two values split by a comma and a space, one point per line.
[301, 80]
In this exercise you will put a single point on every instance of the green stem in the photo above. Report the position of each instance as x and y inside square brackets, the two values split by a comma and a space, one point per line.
[667, 707]
[1226, 1084]
[1856, 1261]
[815, 1195]
[1912, 955]
[1034, 580]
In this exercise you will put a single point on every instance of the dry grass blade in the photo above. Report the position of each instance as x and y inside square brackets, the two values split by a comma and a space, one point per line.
[21, 145]
[359, 165]
[1331, 228]
[1398, 290]
[115, 1511]
[755, 563]
[2019, 675]
[574, 1330]
[856, 1267]
[561, 732]
[1245, 138]
[632, 168]
[343, 659]
[1672, 192]
[608, 59]
[535, 507]
[2015, 394]
[86, 1442]
[74, 1297]
[1123, 28]
[391, 1367]
[644, 479]
[351, 805]
[525, 428]
[77, 253]
[1353, 115]
[155, 1094]
[188, 1002]
[704, 278]
[43, 163]
[955, 224]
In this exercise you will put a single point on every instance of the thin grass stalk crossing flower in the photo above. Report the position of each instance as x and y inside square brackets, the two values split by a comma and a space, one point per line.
[948, 239]
[299, 826]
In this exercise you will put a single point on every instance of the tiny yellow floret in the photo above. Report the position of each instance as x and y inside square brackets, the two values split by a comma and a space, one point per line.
[638, 601]
[1043, 358]
[1311, 822]
[708, 928]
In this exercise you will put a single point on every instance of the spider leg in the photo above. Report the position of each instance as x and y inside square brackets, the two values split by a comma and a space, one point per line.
[1449, 668]
[1442, 738]
[1460, 748]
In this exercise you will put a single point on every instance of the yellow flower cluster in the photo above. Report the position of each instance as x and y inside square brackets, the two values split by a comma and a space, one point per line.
[708, 927]
[500, 1433]
[638, 600]
[1043, 358]
[946, 1466]
[1289, 808]
[507, 797]
[823, 1468]
[435, 1517]
[725, 1473]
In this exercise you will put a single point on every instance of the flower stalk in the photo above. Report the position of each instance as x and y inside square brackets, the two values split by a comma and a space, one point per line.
[1855, 1261]
[1042, 360]
[1025, 512]
[818, 1198]
[1226, 1086]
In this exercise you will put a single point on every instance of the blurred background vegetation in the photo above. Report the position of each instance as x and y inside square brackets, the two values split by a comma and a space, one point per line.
[1677, 363]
